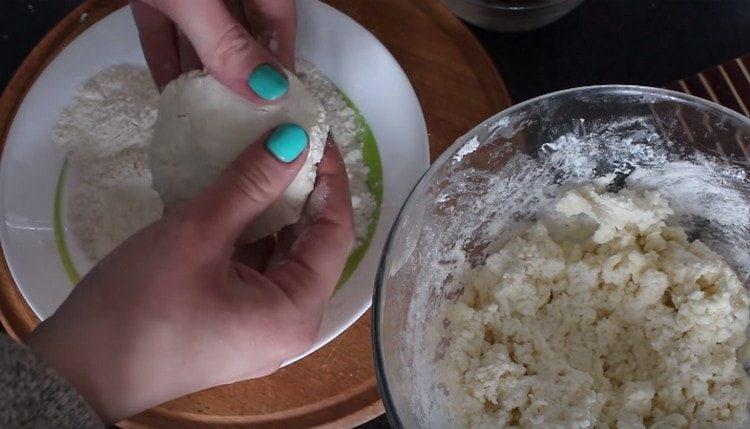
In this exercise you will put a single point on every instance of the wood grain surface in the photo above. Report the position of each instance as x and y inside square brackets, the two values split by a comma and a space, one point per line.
[727, 84]
[457, 86]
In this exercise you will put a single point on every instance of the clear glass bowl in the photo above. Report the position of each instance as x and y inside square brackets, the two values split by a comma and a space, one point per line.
[511, 15]
[503, 172]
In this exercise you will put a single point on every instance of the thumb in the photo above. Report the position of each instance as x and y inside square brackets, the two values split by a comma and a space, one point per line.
[227, 50]
[251, 183]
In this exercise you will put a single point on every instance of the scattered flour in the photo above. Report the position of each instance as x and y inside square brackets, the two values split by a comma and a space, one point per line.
[113, 111]
[466, 149]
[604, 318]
[112, 201]
[345, 131]
[105, 130]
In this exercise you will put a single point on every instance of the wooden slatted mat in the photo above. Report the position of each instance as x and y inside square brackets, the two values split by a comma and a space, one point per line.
[727, 84]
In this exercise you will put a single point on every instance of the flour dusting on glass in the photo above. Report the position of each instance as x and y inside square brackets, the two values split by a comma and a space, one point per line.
[507, 174]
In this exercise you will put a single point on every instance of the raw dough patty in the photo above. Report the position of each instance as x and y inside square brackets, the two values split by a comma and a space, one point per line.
[202, 126]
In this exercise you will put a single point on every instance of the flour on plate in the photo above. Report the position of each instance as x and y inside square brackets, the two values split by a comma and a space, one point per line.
[105, 131]
[600, 315]
[345, 131]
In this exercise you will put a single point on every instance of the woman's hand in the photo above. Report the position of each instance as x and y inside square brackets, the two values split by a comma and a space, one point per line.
[180, 306]
[242, 43]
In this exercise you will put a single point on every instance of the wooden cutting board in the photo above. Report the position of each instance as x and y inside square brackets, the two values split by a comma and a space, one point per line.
[457, 85]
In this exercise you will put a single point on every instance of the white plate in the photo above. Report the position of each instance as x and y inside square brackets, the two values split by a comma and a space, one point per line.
[345, 52]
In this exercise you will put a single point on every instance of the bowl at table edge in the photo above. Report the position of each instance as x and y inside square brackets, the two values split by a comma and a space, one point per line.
[397, 326]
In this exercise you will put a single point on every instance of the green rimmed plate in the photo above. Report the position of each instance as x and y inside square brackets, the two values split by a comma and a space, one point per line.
[30, 168]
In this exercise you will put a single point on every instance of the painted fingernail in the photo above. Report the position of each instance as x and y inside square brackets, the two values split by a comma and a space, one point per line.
[287, 142]
[268, 82]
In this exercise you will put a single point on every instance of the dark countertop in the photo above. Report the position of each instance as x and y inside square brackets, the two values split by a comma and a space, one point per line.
[641, 42]
[621, 41]
[646, 42]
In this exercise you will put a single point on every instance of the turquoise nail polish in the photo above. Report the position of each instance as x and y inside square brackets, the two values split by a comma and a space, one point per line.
[287, 141]
[268, 82]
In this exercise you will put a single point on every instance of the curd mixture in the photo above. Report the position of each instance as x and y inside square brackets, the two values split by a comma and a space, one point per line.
[601, 316]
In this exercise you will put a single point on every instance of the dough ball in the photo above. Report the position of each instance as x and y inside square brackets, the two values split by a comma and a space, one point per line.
[202, 126]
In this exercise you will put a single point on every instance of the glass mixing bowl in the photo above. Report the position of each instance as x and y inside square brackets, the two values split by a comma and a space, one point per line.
[502, 173]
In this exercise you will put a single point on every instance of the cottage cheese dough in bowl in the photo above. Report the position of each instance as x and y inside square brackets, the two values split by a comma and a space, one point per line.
[202, 126]
[580, 260]
[602, 317]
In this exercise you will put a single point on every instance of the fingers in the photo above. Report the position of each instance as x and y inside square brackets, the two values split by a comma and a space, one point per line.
[251, 183]
[189, 59]
[226, 49]
[318, 255]
[274, 24]
[255, 255]
[237, 10]
[238, 13]
[159, 41]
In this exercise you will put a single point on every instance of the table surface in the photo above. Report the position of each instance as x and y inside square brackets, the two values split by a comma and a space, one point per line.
[643, 42]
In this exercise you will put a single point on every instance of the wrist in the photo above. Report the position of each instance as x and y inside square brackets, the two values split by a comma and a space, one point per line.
[72, 362]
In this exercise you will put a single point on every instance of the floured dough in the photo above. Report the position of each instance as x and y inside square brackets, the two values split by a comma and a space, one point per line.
[604, 318]
[202, 126]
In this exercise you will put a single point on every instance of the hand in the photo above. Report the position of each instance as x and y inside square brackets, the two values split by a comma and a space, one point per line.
[230, 38]
[180, 307]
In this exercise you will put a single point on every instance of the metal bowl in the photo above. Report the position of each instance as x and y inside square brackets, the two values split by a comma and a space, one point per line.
[511, 15]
